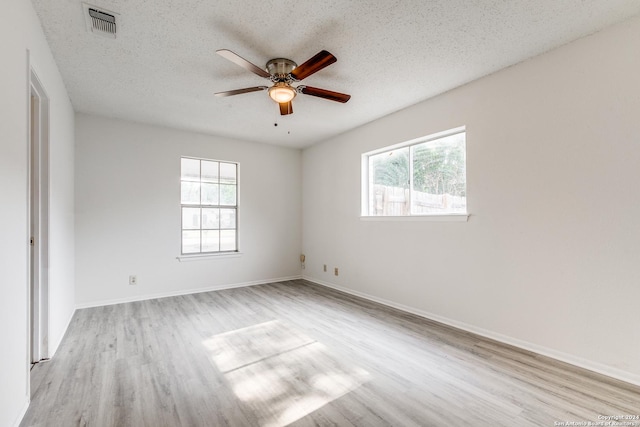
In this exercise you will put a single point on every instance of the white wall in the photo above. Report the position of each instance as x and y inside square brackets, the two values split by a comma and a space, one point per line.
[549, 259]
[128, 211]
[19, 33]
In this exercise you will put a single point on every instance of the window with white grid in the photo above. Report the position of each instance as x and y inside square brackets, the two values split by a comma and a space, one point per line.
[209, 204]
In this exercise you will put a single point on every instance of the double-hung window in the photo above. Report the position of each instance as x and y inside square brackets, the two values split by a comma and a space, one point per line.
[422, 177]
[209, 206]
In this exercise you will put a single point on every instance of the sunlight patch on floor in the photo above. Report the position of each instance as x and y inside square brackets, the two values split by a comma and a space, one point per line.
[281, 373]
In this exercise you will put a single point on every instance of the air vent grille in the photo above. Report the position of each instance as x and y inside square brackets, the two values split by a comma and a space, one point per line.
[101, 21]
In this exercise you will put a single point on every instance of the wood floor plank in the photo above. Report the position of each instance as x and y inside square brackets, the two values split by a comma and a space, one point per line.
[295, 353]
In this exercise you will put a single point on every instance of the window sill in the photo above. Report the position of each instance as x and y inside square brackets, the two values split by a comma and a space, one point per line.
[204, 257]
[433, 218]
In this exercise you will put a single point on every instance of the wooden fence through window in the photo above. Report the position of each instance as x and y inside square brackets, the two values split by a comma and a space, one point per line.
[395, 201]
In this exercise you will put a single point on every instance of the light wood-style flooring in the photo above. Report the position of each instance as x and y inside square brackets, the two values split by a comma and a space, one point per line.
[295, 353]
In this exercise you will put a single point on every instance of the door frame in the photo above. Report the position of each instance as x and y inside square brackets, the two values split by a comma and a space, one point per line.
[38, 218]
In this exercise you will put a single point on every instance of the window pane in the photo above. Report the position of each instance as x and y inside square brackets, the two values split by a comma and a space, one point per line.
[389, 192]
[190, 241]
[209, 194]
[209, 171]
[228, 173]
[206, 185]
[210, 240]
[227, 218]
[439, 178]
[190, 193]
[211, 218]
[227, 240]
[227, 195]
[190, 218]
[190, 169]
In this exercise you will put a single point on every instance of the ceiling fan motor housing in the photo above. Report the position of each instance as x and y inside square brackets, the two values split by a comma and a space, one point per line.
[280, 69]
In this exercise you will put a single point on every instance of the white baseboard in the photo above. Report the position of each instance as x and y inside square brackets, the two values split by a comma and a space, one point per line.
[600, 368]
[182, 292]
[21, 414]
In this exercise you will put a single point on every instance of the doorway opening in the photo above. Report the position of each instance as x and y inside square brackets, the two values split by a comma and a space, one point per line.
[38, 220]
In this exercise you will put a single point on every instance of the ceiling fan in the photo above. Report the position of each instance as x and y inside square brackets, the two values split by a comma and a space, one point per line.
[283, 72]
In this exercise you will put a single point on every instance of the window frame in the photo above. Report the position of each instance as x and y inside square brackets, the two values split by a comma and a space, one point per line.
[367, 181]
[219, 253]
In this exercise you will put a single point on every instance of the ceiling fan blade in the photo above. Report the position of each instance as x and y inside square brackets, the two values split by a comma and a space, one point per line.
[238, 60]
[323, 93]
[240, 91]
[286, 108]
[313, 65]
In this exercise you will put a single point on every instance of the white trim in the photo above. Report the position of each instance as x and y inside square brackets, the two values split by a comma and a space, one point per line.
[431, 218]
[38, 216]
[204, 257]
[183, 292]
[22, 412]
[589, 365]
[27, 365]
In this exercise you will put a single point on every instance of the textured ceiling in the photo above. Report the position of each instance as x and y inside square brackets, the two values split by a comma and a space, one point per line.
[162, 68]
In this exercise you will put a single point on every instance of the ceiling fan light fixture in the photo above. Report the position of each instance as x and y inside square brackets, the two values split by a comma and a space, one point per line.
[283, 72]
[282, 92]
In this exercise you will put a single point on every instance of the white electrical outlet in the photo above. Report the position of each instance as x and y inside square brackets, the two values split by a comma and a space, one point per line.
[335, 271]
[133, 280]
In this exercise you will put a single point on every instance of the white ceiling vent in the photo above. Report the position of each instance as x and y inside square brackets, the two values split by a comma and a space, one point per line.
[100, 21]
